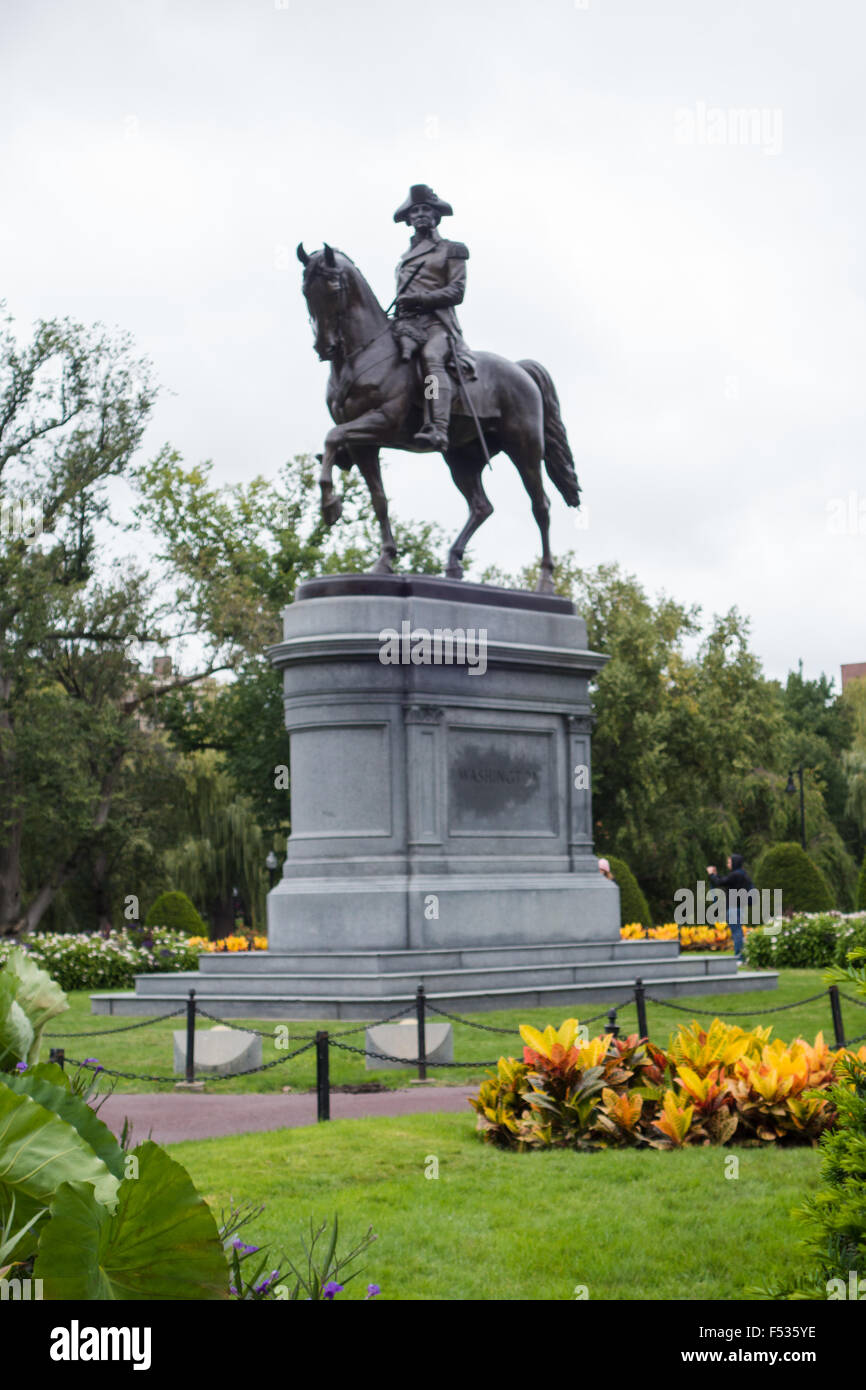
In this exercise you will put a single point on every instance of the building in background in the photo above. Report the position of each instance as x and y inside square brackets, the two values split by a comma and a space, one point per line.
[854, 671]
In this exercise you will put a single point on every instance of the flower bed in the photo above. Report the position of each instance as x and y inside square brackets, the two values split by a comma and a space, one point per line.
[713, 938]
[230, 943]
[714, 1086]
[806, 940]
[85, 961]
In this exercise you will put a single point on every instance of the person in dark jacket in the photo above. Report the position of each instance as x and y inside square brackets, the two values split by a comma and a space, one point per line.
[736, 880]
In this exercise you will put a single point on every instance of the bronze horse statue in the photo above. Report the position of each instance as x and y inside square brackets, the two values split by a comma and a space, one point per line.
[376, 401]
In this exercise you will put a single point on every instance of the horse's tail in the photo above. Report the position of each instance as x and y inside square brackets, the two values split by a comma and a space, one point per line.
[558, 459]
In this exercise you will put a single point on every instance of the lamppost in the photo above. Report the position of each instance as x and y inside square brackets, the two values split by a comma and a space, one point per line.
[272, 864]
[791, 789]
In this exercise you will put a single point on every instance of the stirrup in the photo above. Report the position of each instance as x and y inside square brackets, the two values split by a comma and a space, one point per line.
[432, 436]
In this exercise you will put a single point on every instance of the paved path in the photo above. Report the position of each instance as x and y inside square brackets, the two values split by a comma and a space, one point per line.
[170, 1118]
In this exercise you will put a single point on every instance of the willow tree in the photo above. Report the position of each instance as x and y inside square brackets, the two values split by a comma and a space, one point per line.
[223, 850]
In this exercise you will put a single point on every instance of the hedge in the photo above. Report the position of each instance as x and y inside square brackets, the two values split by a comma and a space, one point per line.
[788, 867]
[175, 911]
[633, 906]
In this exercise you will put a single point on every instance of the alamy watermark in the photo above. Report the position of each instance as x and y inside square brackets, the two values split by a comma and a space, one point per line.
[21, 519]
[846, 516]
[739, 126]
[25, 1290]
[697, 907]
[444, 646]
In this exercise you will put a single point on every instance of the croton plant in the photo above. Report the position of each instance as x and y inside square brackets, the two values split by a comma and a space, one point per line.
[709, 1086]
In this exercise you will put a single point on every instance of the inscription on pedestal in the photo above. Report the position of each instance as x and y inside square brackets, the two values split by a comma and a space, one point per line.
[501, 782]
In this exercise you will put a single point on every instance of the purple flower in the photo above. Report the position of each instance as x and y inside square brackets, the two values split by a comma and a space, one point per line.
[20, 1066]
[92, 1062]
[266, 1283]
[331, 1288]
[372, 1290]
[243, 1248]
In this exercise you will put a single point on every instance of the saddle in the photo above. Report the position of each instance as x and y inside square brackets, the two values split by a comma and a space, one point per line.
[474, 380]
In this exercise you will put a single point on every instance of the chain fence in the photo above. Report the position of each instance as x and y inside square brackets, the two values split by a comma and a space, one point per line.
[735, 1013]
[323, 1040]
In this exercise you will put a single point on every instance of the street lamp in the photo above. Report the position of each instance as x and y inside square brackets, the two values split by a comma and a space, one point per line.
[272, 864]
[791, 789]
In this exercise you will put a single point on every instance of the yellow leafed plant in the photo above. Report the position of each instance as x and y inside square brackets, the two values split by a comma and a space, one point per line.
[674, 1122]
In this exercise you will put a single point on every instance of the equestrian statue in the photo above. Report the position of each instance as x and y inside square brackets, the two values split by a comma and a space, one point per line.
[410, 382]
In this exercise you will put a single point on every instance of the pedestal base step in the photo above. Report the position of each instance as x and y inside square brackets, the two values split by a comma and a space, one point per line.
[297, 1004]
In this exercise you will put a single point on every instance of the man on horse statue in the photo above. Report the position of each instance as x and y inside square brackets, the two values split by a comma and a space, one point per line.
[431, 280]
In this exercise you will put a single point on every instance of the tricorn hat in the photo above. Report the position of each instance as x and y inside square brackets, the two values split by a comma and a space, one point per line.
[422, 193]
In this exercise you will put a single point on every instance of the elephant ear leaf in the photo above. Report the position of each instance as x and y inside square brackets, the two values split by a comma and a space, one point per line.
[38, 1153]
[39, 996]
[160, 1243]
[16, 1031]
[49, 1086]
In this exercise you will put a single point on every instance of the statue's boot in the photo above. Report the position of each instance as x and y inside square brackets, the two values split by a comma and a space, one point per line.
[434, 433]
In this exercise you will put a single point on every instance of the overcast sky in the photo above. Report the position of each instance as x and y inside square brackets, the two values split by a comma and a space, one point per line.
[693, 280]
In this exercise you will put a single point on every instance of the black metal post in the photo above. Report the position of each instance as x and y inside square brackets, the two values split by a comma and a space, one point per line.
[420, 1011]
[190, 1036]
[836, 1009]
[612, 1025]
[323, 1079]
[802, 808]
[640, 1000]
[58, 1055]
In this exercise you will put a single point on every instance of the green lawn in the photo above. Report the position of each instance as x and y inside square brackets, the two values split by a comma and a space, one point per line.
[149, 1049]
[498, 1225]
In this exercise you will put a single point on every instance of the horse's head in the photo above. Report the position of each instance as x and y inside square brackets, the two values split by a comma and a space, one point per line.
[325, 292]
[337, 294]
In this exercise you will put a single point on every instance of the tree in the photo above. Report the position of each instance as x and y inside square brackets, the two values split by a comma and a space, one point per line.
[223, 850]
[73, 407]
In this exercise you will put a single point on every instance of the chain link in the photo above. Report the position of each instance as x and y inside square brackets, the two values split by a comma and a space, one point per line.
[124, 1028]
[490, 1028]
[140, 1076]
[403, 1061]
[734, 1013]
[851, 1000]
[343, 1033]
[470, 1023]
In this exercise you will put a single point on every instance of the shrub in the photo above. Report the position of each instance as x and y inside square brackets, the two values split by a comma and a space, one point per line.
[806, 941]
[174, 910]
[711, 1086]
[788, 867]
[861, 886]
[835, 1215]
[84, 961]
[633, 906]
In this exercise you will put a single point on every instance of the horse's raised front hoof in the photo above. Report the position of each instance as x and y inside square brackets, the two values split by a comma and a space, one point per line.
[454, 570]
[545, 583]
[332, 510]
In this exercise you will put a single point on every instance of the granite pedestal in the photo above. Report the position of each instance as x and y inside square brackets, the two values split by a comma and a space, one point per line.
[440, 765]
